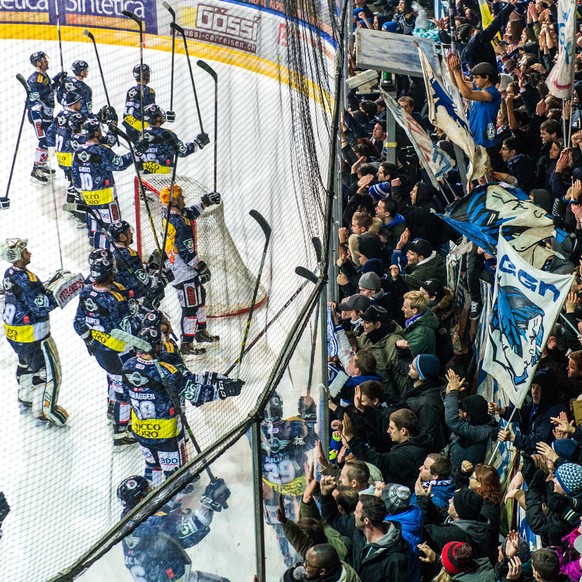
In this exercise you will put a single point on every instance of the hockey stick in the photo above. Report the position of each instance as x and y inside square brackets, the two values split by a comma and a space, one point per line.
[118, 132]
[267, 232]
[5, 200]
[181, 31]
[139, 23]
[298, 291]
[92, 37]
[58, 17]
[206, 67]
[173, 15]
[146, 347]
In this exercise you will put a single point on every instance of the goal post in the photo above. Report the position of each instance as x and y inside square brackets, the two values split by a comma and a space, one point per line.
[230, 290]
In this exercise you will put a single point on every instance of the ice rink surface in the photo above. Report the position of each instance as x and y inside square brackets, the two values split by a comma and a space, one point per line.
[61, 483]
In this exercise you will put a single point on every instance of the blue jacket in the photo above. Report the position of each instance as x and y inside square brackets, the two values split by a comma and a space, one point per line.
[411, 522]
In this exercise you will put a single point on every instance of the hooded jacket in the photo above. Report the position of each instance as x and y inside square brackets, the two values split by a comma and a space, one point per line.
[411, 522]
[467, 441]
[401, 464]
[427, 403]
[414, 276]
[384, 559]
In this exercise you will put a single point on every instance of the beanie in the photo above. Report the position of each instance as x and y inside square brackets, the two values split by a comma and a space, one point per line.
[370, 246]
[457, 557]
[396, 497]
[427, 366]
[370, 281]
[566, 448]
[476, 407]
[374, 266]
[468, 504]
[569, 476]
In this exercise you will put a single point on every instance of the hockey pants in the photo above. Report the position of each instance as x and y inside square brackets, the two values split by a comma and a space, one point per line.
[192, 299]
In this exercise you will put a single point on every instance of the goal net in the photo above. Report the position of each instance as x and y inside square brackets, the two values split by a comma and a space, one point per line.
[230, 290]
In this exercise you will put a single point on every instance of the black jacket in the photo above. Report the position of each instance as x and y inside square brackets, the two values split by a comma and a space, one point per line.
[427, 403]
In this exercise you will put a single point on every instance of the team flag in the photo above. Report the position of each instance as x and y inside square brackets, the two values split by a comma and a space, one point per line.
[560, 79]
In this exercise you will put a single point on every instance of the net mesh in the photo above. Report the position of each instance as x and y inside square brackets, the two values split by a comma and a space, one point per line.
[230, 290]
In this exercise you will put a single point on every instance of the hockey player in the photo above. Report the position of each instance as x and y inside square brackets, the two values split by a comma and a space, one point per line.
[159, 147]
[130, 270]
[153, 387]
[92, 170]
[41, 104]
[155, 549]
[76, 83]
[190, 272]
[136, 101]
[27, 305]
[285, 443]
[103, 306]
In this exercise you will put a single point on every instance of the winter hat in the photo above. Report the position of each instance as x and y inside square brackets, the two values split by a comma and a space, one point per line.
[468, 504]
[457, 557]
[370, 281]
[396, 497]
[566, 448]
[476, 407]
[569, 476]
[374, 266]
[375, 313]
[421, 247]
[427, 366]
[370, 246]
[434, 287]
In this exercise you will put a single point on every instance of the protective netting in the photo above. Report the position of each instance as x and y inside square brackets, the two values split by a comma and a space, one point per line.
[230, 290]
[275, 71]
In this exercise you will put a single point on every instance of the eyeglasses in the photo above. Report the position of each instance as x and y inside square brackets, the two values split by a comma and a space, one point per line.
[306, 564]
[473, 478]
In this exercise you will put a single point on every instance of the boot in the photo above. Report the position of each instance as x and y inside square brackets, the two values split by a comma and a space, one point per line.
[203, 337]
[188, 349]
[38, 177]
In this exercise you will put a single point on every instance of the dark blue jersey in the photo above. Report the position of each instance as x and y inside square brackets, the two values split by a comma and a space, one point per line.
[131, 273]
[72, 84]
[59, 136]
[132, 113]
[41, 99]
[163, 146]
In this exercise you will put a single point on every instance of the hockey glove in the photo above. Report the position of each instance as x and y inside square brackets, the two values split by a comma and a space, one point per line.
[154, 261]
[215, 495]
[108, 115]
[155, 296]
[202, 140]
[59, 78]
[211, 198]
[309, 412]
[203, 272]
[141, 147]
[4, 203]
[170, 116]
[229, 387]
[4, 507]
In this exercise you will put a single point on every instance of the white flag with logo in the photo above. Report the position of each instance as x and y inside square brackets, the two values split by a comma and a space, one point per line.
[526, 304]
[434, 160]
[444, 114]
[559, 80]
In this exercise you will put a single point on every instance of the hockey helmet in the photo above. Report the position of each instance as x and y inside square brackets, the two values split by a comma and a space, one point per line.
[274, 408]
[75, 121]
[79, 66]
[37, 56]
[150, 335]
[12, 249]
[153, 318]
[152, 112]
[71, 97]
[101, 270]
[165, 193]
[91, 127]
[132, 490]
[145, 72]
[117, 228]
[96, 254]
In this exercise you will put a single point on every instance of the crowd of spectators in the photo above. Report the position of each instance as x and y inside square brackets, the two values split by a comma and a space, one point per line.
[412, 490]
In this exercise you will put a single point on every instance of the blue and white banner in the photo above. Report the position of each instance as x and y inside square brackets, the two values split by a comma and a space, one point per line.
[434, 161]
[491, 207]
[332, 345]
[526, 304]
[444, 114]
[561, 76]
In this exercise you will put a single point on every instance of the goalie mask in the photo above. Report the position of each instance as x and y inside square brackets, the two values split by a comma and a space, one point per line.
[132, 490]
[274, 409]
[12, 249]
[165, 194]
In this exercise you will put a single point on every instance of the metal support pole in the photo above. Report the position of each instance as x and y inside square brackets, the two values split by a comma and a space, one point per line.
[460, 157]
[323, 388]
[258, 501]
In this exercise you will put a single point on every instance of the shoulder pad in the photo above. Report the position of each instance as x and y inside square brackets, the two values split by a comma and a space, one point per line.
[169, 347]
[169, 367]
[40, 78]
[33, 278]
[117, 295]
[152, 91]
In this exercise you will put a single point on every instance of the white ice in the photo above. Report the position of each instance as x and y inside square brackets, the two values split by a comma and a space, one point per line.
[61, 483]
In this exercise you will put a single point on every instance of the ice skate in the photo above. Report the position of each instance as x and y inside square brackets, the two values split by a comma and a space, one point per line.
[38, 177]
[203, 337]
[188, 349]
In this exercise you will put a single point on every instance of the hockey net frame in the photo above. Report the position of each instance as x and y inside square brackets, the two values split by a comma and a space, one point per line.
[230, 290]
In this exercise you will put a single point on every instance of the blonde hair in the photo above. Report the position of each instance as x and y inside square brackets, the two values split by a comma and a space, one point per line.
[417, 300]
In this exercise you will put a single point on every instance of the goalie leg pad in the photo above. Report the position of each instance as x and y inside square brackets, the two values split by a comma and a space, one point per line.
[121, 408]
[24, 378]
[50, 409]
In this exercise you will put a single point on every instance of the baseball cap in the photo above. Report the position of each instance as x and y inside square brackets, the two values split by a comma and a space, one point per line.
[355, 302]
[420, 247]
